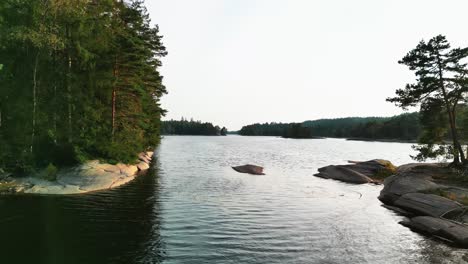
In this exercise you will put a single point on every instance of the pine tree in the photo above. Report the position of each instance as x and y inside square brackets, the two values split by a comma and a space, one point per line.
[79, 81]
[441, 81]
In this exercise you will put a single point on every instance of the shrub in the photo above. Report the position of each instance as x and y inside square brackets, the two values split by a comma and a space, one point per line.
[50, 172]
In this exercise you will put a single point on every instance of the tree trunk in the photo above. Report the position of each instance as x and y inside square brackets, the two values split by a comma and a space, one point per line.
[34, 90]
[457, 149]
[55, 98]
[456, 143]
[69, 92]
[114, 96]
[113, 112]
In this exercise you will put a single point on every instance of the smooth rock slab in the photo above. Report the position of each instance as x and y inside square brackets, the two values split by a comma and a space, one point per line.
[357, 172]
[144, 157]
[142, 166]
[250, 169]
[128, 170]
[397, 185]
[87, 177]
[426, 204]
[343, 174]
[457, 233]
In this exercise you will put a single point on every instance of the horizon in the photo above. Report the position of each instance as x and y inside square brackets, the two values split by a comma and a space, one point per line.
[276, 122]
[237, 63]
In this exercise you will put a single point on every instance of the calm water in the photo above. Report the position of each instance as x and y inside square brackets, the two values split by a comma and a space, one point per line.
[193, 208]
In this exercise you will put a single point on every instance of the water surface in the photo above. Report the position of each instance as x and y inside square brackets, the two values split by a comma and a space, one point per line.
[193, 208]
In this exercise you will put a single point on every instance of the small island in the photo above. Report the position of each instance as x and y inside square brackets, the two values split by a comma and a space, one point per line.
[192, 128]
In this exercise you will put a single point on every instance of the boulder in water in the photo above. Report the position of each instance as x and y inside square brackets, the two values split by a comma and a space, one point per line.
[358, 172]
[250, 169]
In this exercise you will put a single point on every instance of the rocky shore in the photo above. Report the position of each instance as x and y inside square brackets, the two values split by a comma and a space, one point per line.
[88, 177]
[431, 195]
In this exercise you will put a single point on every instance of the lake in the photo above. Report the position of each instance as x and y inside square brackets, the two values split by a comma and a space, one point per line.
[193, 208]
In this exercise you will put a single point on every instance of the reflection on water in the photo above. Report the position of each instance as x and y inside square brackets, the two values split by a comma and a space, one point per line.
[192, 208]
[118, 226]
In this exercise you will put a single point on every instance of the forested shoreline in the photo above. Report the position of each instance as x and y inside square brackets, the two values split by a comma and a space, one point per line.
[191, 127]
[401, 127]
[79, 80]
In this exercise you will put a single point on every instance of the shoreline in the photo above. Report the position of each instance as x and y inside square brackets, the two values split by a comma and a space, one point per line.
[390, 140]
[89, 177]
[431, 196]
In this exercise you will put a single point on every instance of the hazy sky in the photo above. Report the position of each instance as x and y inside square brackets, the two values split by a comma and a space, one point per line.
[237, 62]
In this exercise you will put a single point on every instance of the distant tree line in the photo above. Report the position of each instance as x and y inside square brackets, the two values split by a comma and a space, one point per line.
[191, 127]
[402, 127]
[79, 80]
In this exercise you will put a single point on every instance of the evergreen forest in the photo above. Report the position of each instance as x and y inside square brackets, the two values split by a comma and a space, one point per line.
[402, 127]
[79, 80]
[191, 127]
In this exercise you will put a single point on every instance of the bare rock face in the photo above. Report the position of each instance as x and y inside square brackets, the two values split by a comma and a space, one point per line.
[414, 187]
[426, 204]
[410, 178]
[358, 172]
[250, 169]
[87, 177]
[454, 232]
[142, 166]
[127, 170]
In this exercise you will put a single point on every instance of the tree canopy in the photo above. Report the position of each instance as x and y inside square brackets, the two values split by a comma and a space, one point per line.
[79, 81]
[440, 91]
[191, 127]
[402, 127]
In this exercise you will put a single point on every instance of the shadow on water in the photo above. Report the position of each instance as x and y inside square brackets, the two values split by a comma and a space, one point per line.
[115, 226]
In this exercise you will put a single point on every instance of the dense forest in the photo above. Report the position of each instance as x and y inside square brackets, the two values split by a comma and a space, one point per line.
[402, 127]
[186, 127]
[79, 80]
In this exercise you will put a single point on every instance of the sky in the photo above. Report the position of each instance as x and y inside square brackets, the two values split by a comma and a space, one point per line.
[238, 62]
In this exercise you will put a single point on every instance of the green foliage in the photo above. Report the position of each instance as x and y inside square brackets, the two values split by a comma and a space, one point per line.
[186, 127]
[224, 131]
[79, 81]
[50, 173]
[298, 131]
[440, 90]
[403, 127]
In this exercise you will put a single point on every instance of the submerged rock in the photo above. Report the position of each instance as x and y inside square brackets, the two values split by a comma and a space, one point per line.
[250, 169]
[358, 172]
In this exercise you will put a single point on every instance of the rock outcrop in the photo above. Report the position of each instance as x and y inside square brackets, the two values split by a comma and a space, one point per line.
[250, 169]
[410, 178]
[418, 189]
[87, 177]
[371, 171]
[426, 204]
[447, 230]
